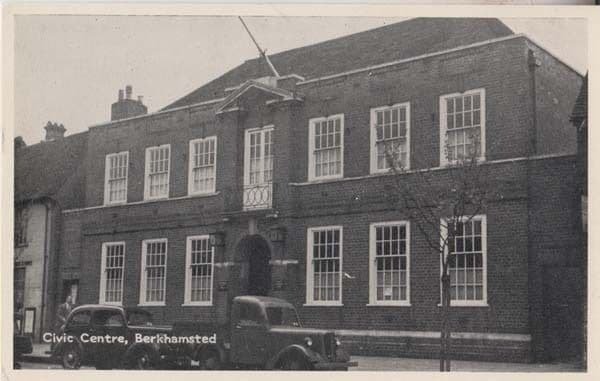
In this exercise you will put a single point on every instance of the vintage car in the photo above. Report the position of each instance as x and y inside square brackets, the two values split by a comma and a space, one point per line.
[263, 333]
[88, 337]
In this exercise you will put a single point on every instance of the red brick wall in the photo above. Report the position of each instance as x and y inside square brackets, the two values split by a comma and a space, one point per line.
[557, 86]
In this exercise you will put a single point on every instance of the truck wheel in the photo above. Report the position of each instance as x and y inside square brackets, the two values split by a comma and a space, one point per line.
[294, 362]
[71, 357]
[210, 360]
[141, 360]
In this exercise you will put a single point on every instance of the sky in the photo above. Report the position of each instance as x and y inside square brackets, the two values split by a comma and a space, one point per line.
[68, 69]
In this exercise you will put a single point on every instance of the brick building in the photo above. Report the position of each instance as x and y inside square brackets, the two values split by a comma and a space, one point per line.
[264, 184]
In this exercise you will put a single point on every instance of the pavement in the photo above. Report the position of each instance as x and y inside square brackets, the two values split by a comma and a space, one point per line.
[40, 359]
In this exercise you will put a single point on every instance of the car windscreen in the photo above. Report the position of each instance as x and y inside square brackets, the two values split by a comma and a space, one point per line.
[283, 316]
[139, 317]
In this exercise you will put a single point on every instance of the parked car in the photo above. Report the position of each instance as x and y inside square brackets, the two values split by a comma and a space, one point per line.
[77, 346]
[262, 333]
[265, 333]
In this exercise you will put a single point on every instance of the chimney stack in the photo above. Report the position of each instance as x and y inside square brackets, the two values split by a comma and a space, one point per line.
[127, 107]
[19, 142]
[54, 131]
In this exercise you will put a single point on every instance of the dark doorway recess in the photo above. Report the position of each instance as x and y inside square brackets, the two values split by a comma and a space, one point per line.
[256, 269]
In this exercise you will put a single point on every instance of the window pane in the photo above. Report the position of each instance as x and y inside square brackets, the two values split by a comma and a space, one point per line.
[466, 262]
[113, 273]
[390, 263]
[326, 265]
[200, 270]
[155, 270]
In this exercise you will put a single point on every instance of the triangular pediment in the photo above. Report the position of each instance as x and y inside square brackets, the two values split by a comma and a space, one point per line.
[277, 92]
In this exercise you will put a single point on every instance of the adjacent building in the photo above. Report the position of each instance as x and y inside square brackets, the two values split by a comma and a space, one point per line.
[48, 179]
[266, 184]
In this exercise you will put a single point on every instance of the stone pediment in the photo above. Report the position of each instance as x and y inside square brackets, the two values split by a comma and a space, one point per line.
[279, 94]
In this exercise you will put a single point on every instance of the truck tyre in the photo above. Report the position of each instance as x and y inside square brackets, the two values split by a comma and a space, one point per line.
[141, 360]
[71, 357]
[294, 362]
[210, 360]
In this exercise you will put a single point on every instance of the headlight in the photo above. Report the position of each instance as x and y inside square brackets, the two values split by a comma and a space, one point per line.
[308, 341]
[337, 342]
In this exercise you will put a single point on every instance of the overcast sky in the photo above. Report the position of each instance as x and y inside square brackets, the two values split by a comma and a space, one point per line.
[68, 69]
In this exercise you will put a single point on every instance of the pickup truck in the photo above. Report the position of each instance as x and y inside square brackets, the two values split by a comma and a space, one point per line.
[263, 333]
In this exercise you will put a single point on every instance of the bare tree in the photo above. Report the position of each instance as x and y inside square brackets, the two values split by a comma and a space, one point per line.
[442, 202]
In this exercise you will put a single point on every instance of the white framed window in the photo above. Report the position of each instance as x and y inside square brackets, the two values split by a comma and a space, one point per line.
[467, 262]
[157, 172]
[199, 266]
[112, 272]
[21, 223]
[324, 266]
[154, 272]
[115, 178]
[326, 148]
[389, 254]
[258, 168]
[390, 137]
[462, 126]
[203, 166]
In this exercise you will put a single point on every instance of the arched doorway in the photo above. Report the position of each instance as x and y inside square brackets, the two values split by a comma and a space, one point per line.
[255, 254]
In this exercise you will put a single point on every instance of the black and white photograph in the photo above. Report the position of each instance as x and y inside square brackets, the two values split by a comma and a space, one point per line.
[246, 192]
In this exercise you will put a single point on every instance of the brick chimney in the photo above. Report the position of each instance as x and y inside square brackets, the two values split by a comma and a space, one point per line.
[54, 131]
[126, 107]
[19, 142]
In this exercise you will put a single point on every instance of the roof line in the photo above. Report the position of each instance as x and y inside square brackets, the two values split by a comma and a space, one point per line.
[204, 103]
[248, 85]
[410, 59]
[232, 88]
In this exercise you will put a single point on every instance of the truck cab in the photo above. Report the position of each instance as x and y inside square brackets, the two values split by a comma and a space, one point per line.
[265, 332]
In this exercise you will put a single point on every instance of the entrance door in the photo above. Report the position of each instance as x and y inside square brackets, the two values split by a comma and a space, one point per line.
[259, 273]
[255, 274]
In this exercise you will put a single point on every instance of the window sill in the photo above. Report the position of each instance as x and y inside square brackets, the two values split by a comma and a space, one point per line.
[452, 163]
[197, 304]
[204, 194]
[389, 171]
[157, 198]
[394, 304]
[467, 304]
[151, 304]
[326, 179]
[115, 203]
[119, 304]
[316, 304]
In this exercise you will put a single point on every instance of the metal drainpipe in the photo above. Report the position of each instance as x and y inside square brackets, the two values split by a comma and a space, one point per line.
[532, 63]
[45, 268]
